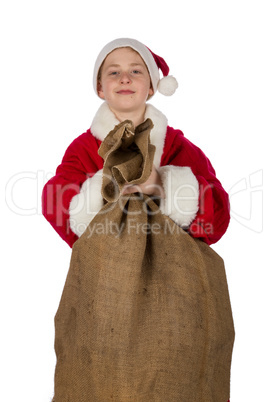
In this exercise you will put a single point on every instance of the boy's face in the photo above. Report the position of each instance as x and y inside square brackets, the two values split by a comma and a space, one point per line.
[125, 82]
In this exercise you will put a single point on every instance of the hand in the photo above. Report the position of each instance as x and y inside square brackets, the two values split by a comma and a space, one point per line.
[153, 186]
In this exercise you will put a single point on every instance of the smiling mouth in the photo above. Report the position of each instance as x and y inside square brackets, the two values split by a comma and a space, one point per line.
[125, 92]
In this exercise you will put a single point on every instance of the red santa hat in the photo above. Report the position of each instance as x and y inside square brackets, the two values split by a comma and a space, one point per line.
[166, 85]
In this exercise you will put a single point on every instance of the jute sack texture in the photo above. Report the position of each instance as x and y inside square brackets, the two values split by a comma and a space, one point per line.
[145, 312]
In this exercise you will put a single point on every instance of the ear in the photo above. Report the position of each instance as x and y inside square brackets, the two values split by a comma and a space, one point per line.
[100, 91]
[150, 92]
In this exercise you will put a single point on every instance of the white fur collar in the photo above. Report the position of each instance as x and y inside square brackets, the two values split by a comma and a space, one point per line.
[105, 120]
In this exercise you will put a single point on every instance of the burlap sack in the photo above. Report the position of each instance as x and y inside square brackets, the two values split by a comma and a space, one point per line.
[145, 312]
[128, 157]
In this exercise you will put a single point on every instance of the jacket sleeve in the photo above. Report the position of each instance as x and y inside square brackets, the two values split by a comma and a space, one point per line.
[70, 186]
[195, 198]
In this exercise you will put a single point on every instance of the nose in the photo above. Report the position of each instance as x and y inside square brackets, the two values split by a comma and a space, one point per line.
[125, 78]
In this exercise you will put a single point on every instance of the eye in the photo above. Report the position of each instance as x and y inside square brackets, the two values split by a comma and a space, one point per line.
[136, 72]
[113, 73]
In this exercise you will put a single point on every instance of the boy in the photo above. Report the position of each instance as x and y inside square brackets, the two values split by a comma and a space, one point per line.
[126, 75]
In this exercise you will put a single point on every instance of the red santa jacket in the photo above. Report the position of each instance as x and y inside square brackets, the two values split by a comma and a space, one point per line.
[194, 197]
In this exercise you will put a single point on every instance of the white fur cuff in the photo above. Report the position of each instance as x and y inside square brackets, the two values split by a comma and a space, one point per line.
[181, 194]
[85, 205]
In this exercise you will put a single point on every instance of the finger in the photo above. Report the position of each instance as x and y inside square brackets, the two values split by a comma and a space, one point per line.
[128, 189]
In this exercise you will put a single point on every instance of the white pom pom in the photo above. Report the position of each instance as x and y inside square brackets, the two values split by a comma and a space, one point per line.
[167, 85]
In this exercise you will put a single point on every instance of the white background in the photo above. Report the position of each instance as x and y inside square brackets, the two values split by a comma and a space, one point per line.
[218, 52]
